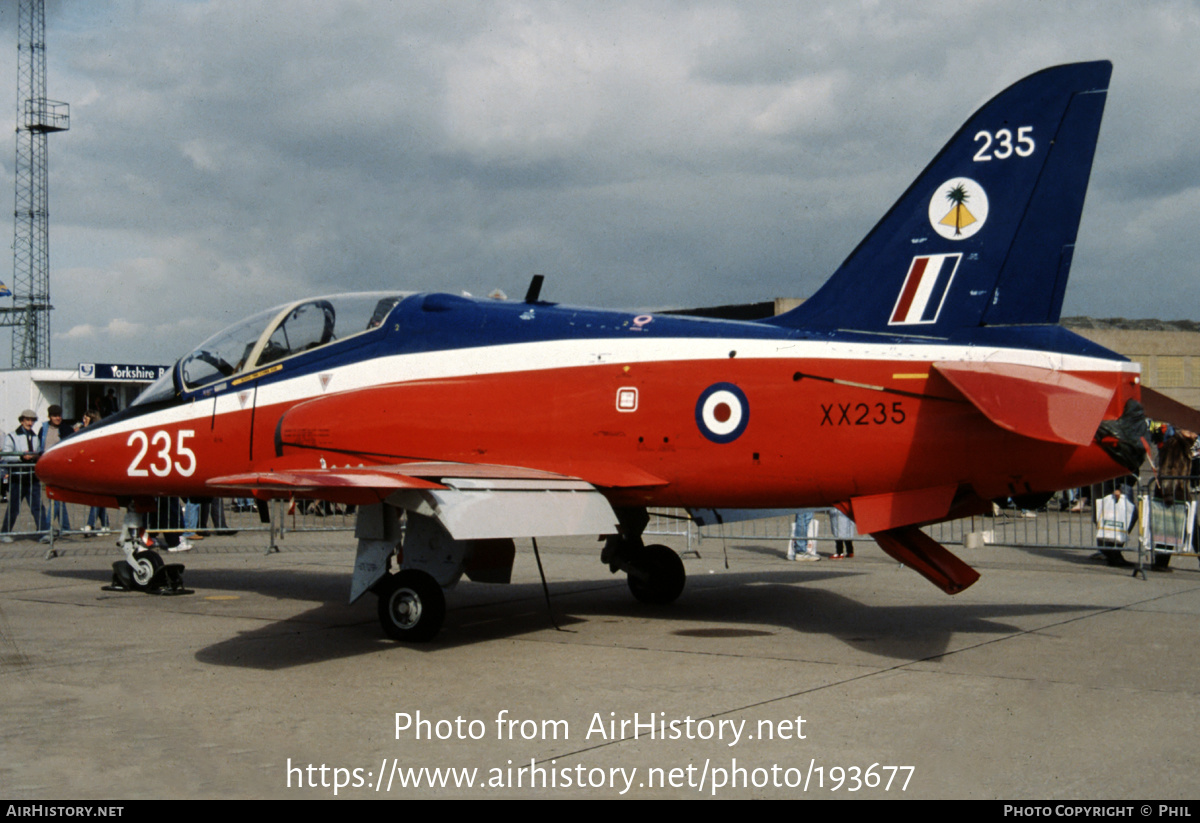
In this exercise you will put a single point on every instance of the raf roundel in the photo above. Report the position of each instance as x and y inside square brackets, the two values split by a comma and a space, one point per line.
[722, 412]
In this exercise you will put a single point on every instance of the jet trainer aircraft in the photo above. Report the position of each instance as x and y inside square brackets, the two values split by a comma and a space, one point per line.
[926, 378]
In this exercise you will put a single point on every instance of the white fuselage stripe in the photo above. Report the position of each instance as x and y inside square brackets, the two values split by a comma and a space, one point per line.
[560, 354]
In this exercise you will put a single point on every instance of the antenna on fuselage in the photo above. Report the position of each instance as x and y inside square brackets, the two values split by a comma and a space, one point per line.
[535, 288]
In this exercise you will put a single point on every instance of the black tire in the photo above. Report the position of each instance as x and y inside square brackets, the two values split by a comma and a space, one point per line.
[141, 574]
[412, 606]
[658, 576]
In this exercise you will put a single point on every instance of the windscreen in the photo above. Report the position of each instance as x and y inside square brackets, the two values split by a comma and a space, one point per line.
[225, 353]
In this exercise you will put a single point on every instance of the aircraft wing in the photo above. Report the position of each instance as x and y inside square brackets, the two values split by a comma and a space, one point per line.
[1034, 402]
[353, 486]
[473, 501]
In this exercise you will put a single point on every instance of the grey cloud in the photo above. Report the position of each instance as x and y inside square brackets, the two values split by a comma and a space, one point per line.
[225, 156]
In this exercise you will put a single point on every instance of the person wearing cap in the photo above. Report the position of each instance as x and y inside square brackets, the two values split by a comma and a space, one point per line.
[22, 448]
[52, 431]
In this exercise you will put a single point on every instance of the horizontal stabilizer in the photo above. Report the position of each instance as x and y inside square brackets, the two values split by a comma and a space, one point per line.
[927, 557]
[1033, 402]
[1160, 407]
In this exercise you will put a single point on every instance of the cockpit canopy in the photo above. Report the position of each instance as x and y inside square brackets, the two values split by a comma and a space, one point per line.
[274, 335]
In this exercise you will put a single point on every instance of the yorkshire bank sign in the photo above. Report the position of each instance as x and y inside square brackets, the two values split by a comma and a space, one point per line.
[121, 371]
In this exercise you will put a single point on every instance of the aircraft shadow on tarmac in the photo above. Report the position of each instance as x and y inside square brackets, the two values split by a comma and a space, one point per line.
[739, 605]
[281, 583]
[731, 605]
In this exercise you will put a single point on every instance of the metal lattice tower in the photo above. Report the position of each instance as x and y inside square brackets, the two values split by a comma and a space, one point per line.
[29, 316]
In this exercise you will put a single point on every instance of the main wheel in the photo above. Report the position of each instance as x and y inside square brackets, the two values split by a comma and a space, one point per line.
[657, 576]
[411, 606]
[145, 565]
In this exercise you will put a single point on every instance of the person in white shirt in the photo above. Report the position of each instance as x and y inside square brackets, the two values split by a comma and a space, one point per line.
[1114, 517]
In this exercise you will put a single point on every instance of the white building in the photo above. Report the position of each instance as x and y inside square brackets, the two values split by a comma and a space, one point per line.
[76, 390]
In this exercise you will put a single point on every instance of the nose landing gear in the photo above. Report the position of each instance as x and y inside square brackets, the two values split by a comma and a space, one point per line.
[144, 571]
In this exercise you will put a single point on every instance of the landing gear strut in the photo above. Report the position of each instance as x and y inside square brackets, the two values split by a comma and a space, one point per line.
[144, 571]
[656, 574]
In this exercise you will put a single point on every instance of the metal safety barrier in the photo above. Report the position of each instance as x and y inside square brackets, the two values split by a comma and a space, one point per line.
[1069, 520]
[1167, 512]
[30, 515]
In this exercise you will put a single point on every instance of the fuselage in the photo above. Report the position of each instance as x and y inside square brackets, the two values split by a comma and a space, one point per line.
[651, 409]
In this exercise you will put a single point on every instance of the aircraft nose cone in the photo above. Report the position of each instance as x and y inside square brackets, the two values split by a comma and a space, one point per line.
[54, 467]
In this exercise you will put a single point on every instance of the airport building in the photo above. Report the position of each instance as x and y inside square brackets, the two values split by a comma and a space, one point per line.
[76, 390]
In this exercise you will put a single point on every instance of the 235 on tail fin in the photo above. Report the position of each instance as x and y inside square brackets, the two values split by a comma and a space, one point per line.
[985, 234]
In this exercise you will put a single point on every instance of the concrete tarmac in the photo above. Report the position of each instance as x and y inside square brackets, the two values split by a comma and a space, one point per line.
[1054, 677]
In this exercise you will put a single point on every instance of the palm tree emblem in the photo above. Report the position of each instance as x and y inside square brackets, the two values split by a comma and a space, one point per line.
[958, 216]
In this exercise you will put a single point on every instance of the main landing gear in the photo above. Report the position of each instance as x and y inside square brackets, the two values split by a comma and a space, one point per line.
[411, 602]
[411, 606]
[656, 576]
[655, 573]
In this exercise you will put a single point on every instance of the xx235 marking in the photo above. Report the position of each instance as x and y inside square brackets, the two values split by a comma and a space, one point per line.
[862, 414]
[162, 463]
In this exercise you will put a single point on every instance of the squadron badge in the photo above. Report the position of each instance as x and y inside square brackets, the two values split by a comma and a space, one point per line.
[958, 208]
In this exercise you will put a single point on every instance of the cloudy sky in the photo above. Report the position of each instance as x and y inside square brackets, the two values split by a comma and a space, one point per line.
[228, 155]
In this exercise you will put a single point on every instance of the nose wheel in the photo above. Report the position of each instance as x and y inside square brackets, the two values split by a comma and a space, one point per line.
[143, 568]
[146, 572]
[412, 606]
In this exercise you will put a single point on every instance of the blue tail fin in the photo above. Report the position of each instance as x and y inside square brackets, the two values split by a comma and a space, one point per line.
[984, 236]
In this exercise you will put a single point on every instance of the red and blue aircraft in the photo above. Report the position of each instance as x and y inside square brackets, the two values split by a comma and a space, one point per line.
[925, 379]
